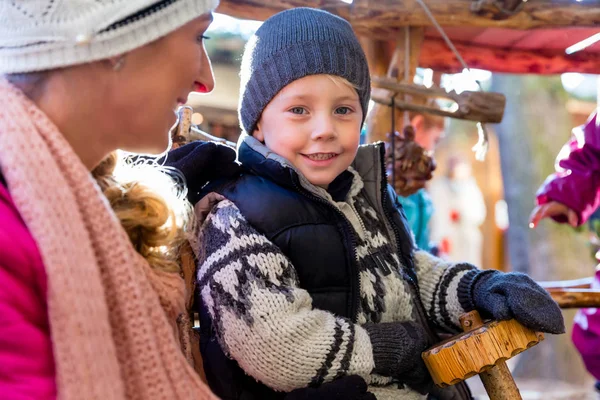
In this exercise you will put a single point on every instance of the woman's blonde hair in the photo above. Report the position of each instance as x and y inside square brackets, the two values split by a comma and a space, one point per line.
[151, 206]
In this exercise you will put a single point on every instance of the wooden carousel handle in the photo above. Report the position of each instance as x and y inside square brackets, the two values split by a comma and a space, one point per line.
[481, 349]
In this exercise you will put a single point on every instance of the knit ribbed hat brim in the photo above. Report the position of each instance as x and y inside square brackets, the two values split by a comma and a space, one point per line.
[291, 45]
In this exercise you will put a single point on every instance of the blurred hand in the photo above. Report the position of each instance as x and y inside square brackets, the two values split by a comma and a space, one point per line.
[205, 206]
[552, 209]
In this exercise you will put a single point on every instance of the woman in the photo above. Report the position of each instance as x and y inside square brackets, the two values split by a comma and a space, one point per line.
[82, 314]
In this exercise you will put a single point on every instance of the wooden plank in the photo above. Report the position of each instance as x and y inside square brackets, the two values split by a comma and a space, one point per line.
[436, 55]
[383, 18]
[576, 298]
[583, 283]
[263, 9]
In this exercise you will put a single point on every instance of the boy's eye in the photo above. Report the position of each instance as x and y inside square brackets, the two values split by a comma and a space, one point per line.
[297, 110]
[343, 110]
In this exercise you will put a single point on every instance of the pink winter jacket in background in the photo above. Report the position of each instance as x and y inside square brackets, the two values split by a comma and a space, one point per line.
[26, 360]
[577, 185]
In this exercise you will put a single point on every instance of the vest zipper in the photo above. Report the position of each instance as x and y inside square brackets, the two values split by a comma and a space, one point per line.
[355, 277]
[421, 313]
[360, 221]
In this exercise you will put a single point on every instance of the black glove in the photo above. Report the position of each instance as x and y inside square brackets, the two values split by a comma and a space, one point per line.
[397, 348]
[502, 296]
[346, 388]
[201, 162]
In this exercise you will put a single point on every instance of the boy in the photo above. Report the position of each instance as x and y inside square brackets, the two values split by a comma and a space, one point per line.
[308, 271]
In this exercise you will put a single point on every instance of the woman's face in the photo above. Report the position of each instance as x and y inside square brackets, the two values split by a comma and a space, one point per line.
[142, 95]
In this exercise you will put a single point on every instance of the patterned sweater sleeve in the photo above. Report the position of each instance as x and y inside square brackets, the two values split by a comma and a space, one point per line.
[439, 283]
[262, 318]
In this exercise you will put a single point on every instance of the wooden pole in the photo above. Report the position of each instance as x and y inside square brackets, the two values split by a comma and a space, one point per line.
[378, 120]
[497, 380]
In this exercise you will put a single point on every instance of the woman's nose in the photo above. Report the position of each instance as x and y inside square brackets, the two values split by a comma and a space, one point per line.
[205, 76]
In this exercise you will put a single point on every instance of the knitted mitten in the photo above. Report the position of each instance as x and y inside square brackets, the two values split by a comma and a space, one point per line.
[201, 162]
[346, 388]
[397, 348]
[502, 296]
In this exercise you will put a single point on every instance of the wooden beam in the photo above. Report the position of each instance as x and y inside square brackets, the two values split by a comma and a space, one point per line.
[379, 16]
[378, 55]
[383, 18]
[436, 55]
[583, 283]
[576, 298]
[473, 106]
[262, 9]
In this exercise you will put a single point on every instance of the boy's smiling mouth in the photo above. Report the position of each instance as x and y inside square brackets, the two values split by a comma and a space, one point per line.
[320, 156]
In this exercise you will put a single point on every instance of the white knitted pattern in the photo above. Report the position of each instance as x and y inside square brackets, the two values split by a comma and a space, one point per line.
[37, 35]
[438, 284]
[272, 320]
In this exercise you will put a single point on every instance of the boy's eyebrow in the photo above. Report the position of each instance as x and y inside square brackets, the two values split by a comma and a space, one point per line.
[311, 96]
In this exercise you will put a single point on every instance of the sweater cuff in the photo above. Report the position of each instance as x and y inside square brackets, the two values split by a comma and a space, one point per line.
[395, 345]
[466, 286]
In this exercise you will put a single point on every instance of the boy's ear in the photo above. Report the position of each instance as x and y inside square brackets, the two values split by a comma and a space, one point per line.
[258, 135]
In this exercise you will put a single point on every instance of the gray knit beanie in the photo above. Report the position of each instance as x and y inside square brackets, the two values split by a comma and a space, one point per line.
[291, 45]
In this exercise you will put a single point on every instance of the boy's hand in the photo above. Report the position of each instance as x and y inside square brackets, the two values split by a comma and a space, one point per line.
[552, 209]
[397, 348]
[205, 206]
[351, 387]
[503, 296]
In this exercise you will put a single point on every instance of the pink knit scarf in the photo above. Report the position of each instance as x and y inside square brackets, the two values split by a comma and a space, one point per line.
[112, 317]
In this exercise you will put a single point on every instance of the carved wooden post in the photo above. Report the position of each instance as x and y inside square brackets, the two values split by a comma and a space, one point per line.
[378, 120]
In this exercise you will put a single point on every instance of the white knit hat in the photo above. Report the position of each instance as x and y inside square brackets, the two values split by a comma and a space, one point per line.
[37, 35]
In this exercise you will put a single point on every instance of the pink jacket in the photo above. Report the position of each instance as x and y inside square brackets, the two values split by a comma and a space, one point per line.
[577, 185]
[26, 360]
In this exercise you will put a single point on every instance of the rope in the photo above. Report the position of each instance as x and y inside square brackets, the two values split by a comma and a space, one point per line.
[406, 68]
[393, 140]
[482, 145]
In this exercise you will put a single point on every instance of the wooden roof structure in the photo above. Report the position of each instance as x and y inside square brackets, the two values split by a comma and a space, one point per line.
[515, 36]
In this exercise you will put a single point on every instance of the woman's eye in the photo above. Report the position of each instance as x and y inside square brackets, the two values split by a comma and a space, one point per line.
[343, 110]
[201, 38]
[297, 110]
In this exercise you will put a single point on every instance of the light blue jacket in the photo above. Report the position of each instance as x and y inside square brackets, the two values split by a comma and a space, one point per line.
[419, 209]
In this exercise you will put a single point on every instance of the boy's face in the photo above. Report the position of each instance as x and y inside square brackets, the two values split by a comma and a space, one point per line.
[426, 137]
[314, 123]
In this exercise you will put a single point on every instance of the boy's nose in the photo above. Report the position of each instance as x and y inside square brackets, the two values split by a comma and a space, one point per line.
[324, 129]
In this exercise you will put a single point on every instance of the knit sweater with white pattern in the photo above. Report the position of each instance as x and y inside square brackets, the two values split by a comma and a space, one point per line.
[265, 321]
